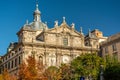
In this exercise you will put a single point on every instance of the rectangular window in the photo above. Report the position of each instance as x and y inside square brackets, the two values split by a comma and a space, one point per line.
[9, 65]
[15, 62]
[106, 49]
[6, 57]
[65, 41]
[114, 47]
[0, 70]
[19, 60]
[12, 65]
[5, 66]
[9, 55]
[3, 59]
[12, 54]
[16, 52]
[19, 49]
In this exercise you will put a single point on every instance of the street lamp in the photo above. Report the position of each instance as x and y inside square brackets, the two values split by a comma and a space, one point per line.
[101, 72]
[90, 75]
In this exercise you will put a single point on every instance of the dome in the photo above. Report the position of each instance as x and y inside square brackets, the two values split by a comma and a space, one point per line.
[38, 25]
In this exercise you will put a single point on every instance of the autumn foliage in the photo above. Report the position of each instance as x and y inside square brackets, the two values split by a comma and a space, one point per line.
[32, 70]
[7, 76]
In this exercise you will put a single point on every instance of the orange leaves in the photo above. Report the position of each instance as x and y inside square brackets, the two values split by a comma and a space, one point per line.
[32, 70]
[7, 76]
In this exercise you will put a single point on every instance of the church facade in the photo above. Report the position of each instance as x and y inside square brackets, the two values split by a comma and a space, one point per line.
[54, 46]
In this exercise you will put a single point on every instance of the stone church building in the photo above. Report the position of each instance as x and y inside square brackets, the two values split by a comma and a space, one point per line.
[54, 46]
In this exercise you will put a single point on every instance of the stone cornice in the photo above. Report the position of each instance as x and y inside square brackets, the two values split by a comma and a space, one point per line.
[59, 46]
[110, 42]
[22, 29]
[58, 34]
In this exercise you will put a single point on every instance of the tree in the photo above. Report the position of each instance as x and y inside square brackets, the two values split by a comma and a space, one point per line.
[112, 72]
[31, 70]
[53, 73]
[1, 77]
[23, 72]
[6, 76]
[87, 65]
[112, 69]
[66, 72]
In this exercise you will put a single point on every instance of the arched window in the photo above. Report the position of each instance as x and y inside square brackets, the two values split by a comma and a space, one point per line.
[41, 59]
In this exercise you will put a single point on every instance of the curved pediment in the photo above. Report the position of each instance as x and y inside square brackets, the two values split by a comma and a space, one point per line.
[64, 29]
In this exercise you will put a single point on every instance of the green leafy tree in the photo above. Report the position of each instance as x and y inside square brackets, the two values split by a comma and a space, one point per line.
[112, 70]
[66, 72]
[87, 65]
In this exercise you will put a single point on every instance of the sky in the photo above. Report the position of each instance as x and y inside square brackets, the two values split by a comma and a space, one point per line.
[88, 14]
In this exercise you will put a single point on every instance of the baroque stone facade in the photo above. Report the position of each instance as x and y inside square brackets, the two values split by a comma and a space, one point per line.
[54, 46]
